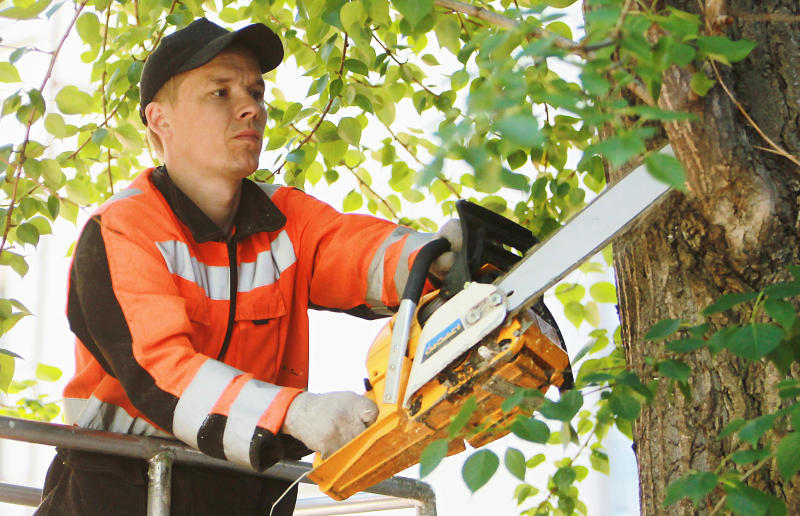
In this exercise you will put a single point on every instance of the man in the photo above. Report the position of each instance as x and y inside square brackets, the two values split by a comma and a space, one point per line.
[189, 294]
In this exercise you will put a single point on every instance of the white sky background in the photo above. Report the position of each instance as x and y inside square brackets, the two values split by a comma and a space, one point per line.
[338, 343]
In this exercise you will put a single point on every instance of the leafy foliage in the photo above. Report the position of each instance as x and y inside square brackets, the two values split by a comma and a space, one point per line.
[405, 101]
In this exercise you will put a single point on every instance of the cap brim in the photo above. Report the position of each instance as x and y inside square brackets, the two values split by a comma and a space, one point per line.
[258, 38]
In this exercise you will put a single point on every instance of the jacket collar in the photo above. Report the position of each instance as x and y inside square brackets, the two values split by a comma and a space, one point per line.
[256, 211]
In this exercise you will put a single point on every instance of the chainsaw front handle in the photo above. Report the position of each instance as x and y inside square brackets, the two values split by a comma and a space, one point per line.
[405, 314]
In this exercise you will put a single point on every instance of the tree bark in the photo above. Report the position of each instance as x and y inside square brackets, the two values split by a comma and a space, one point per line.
[734, 230]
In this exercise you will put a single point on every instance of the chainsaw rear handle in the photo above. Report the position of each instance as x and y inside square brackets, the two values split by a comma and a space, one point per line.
[405, 314]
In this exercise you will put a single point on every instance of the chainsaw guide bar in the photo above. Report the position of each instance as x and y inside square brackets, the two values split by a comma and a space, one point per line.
[484, 334]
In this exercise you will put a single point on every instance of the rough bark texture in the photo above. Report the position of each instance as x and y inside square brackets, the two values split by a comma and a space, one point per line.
[734, 230]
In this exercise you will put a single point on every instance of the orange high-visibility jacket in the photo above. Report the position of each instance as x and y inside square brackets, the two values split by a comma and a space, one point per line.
[183, 331]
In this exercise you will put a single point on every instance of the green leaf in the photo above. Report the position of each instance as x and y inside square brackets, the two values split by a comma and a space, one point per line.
[54, 124]
[732, 427]
[531, 430]
[788, 454]
[695, 486]
[701, 83]
[88, 26]
[27, 233]
[414, 10]
[723, 49]
[448, 31]
[25, 10]
[783, 290]
[515, 463]
[604, 292]
[685, 345]
[461, 419]
[782, 311]
[560, 28]
[521, 129]
[599, 462]
[6, 370]
[624, 405]
[564, 477]
[749, 456]
[47, 373]
[746, 501]
[524, 491]
[728, 301]
[356, 66]
[565, 408]
[567, 292]
[9, 73]
[349, 130]
[675, 369]
[14, 261]
[755, 428]
[663, 329]
[666, 169]
[479, 468]
[352, 201]
[431, 456]
[71, 101]
[755, 340]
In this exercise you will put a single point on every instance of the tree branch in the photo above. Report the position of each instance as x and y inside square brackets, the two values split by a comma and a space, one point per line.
[324, 112]
[778, 149]
[504, 22]
[373, 192]
[21, 155]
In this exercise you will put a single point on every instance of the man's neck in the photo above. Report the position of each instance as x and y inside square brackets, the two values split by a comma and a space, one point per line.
[217, 197]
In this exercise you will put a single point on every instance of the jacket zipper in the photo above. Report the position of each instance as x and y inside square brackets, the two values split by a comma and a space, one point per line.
[234, 289]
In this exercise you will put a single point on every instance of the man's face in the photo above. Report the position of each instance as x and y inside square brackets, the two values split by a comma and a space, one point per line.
[216, 122]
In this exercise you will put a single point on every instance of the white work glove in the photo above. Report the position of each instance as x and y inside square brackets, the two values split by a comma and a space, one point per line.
[326, 422]
[452, 232]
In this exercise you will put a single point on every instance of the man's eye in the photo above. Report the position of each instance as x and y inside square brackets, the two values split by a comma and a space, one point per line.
[220, 93]
[258, 94]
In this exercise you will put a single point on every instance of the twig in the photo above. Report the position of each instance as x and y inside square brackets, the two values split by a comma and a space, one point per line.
[778, 149]
[373, 192]
[12, 47]
[501, 21]
[441, 178]
[105, 98]
[324, 112]
[390, 54]
[21, 155]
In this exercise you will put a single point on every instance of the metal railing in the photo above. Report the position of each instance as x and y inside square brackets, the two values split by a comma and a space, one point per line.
[161, 453]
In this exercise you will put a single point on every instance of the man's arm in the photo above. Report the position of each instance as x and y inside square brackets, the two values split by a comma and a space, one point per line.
[127, 312]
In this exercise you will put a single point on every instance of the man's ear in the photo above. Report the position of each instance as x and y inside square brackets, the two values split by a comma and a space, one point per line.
[157, 116]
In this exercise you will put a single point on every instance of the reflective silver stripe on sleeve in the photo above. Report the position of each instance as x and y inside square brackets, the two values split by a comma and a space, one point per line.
[199, 398]
[98, 415]
[374, 297]
[413, 242]
[268, 265]
[212, 278]
[248, 407]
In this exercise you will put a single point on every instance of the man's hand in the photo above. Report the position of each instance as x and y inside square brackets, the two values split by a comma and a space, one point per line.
[452, 232]
[326, 422]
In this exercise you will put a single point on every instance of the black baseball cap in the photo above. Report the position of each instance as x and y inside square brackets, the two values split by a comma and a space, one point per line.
[198, 43]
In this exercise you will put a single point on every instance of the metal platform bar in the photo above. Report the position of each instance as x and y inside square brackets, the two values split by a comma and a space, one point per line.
[148, 447]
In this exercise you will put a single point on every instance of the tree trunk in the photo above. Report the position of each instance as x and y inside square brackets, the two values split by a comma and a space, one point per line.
[735, 230]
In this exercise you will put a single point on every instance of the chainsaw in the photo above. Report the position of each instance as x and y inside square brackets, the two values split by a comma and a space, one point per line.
[483, 335]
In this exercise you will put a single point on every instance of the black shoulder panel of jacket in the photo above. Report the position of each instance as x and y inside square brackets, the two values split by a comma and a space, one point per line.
[96, 318]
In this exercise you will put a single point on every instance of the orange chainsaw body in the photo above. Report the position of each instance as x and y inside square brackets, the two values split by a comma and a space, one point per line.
[522, 352]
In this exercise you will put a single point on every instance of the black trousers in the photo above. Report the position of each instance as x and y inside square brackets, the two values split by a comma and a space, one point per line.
[87, 484]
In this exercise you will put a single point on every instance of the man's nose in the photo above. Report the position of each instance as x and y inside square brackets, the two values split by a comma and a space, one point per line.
[250, 107]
